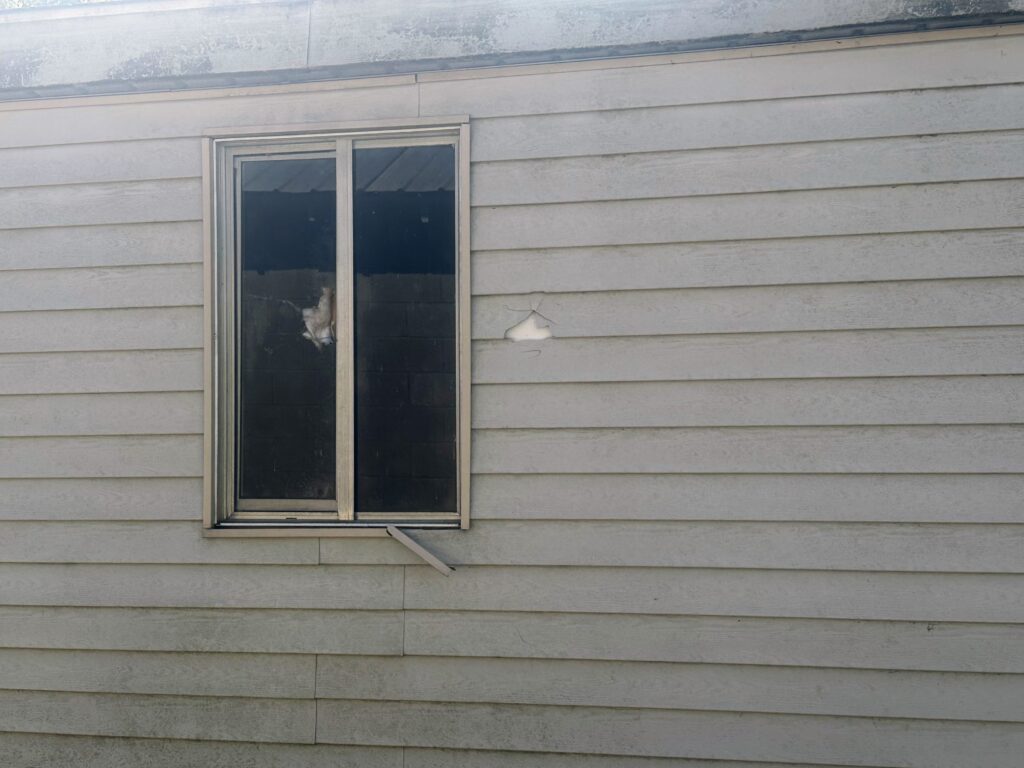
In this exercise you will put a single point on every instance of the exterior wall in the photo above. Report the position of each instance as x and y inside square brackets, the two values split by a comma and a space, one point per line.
[757, 501]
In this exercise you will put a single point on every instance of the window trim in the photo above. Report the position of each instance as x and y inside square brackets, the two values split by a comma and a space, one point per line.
[219, 147]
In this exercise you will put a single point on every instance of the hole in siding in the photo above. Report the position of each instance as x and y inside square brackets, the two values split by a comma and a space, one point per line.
[535, 327]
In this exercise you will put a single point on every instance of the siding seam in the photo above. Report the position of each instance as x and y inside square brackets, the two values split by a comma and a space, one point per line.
[309, 30]
[316, 662]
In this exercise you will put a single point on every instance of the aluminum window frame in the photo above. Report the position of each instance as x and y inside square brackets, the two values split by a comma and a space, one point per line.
[222, 150]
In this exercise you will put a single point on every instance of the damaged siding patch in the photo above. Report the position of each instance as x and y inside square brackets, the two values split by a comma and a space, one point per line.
[535, 327]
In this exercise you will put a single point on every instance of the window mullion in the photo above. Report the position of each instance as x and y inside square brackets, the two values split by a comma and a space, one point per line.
[345, 365]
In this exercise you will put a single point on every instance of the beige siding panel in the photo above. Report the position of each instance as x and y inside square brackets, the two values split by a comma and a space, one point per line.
[719, 592]
[122, 161]
[476, 758]
[894, 68]
[193, 674]
[110, 203]
[822, 165]
[176, 118]
[141, 498]
[926, 498]
[166, 717]
[74, 372]
[37, 749]
[103, 288]
[996, 448]
[102, 245]
[844, 306]
[728, 736]
[783, 402]
[912, 208]
[204, 630]
[135, 456]
[203, 586]
[925, 352]
[858, 693]
[101, 330]
[785, 121]
[818, 546]
[141, 542]
[885, 645]
[111, 414]
[908, 256]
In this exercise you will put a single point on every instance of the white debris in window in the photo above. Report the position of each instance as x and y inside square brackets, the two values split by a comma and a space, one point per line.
[320, 320]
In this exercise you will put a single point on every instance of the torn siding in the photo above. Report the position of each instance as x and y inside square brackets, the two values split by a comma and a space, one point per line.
[535, 327]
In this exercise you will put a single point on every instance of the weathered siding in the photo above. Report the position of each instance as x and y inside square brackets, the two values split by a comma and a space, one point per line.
[757, 503]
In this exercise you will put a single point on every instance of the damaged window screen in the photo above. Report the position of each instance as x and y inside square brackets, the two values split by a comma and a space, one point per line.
[405, 356]
[286, 359]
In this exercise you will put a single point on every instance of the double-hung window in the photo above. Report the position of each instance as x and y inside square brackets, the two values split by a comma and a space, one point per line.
[338, 357]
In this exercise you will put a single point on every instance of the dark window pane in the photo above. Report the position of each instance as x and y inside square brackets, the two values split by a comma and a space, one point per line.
[404, 232]
[286, 356]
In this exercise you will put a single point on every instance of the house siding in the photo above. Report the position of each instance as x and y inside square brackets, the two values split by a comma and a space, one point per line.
[757, 502]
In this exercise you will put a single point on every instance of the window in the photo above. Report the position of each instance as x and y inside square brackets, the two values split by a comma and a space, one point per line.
[338, 355]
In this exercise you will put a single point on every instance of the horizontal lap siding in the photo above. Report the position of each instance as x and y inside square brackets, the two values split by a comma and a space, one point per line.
[878, 114]
[100, 245]
[196, 674]
[941, 449]
[105, 752]
[919, 304]
[826, 594]
[90, 163]
[120, 498]
[105, 456]
[840, 546]
[102, 203]
[712, 357]
[204, 586]
[942, 696]
[103, 287]
[753, 169]
[120, 413]
[782, 261]
[127, 638]
[779, 402]
[101, 330]
[810, 213]
[204, 630]
[755, 503]
[697, 639]
[151, 716]
[867, 497]
[177, 118]
[671, 733]
[80, 372]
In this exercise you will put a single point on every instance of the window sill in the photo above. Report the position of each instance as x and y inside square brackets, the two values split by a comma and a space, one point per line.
[308, 529]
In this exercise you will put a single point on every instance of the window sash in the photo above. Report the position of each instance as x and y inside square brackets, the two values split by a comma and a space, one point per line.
[225, 155]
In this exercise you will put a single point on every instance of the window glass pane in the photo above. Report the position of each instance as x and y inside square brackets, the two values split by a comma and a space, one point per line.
[286, 356]
[405, 246]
